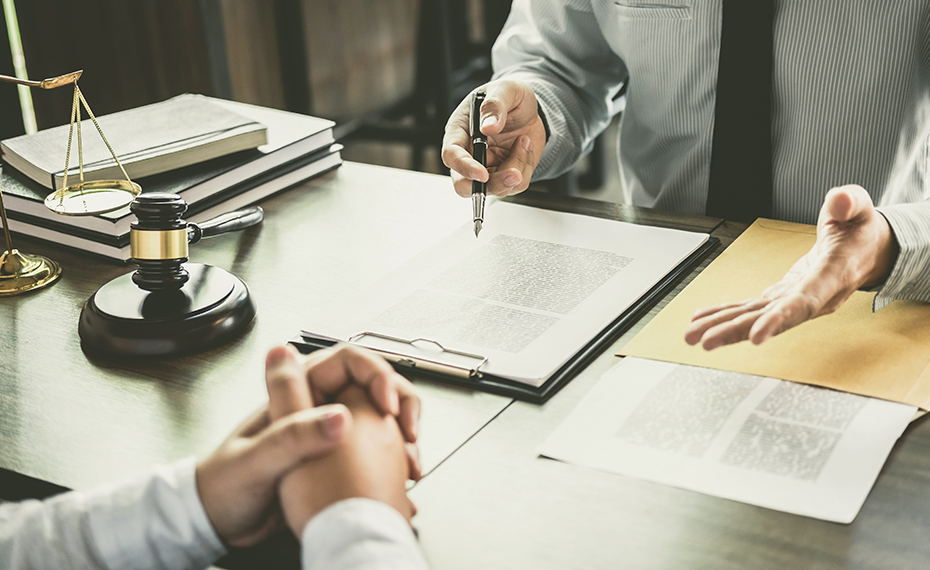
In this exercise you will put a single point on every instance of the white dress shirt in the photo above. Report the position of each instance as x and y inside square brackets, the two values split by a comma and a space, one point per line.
[851, 103]
[158, 523]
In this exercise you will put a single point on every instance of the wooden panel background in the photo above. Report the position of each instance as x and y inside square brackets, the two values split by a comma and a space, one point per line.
[132, 53]
[360, 54]
[252, 49]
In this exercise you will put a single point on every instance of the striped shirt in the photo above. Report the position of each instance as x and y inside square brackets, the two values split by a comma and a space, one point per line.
[851, 103]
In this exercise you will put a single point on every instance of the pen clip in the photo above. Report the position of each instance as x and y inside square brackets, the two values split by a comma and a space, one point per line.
[474, 123]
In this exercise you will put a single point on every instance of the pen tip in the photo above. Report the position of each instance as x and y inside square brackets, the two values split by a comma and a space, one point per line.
[477, 227]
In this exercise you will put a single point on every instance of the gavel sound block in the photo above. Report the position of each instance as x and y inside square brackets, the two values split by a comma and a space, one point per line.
[167, 306]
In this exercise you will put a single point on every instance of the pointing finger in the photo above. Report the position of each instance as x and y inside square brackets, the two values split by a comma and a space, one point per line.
[460, 160]
[461, 184]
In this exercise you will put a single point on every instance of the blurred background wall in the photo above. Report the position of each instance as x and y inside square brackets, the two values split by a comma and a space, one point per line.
[387, 71]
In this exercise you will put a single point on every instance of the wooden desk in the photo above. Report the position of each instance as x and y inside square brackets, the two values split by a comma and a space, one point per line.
[78, 422]
[492, 502]
[497, 504]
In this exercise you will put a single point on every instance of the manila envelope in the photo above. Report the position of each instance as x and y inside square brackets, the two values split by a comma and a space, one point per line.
[884, 354]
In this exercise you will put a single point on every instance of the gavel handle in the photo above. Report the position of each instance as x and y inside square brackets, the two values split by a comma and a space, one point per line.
[229, 222]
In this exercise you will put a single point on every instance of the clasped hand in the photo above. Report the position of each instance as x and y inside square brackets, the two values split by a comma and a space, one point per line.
[855, 248]
[340, 423]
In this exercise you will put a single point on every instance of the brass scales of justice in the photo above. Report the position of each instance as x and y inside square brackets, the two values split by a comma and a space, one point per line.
[22, 272]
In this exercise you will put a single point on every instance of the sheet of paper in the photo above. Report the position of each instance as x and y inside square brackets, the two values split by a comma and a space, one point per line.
[781, 445]
[885, 354]
[531, 291]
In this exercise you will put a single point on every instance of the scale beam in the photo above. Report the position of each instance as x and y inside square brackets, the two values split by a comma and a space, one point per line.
[50, 83]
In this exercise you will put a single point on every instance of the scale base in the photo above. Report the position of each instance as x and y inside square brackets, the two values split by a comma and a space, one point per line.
[121, 319]
[21, 272]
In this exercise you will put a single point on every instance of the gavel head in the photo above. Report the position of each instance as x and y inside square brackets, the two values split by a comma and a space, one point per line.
[158, 241]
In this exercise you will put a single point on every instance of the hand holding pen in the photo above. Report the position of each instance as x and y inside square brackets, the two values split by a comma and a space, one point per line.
[479, 149]
[515, 138]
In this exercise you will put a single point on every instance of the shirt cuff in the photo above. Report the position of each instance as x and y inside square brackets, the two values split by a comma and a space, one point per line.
[156, 522]
[360, 533]
[910, 276]
[561, 151]
[558, 156]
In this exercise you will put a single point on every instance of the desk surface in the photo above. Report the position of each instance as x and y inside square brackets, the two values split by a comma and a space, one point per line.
[489, 500]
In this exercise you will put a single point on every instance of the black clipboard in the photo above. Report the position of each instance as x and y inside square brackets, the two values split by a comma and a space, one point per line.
[470, 378]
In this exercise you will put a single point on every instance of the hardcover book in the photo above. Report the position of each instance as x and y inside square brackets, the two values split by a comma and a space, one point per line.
[116, 245]
[148, 140]
[290, 136]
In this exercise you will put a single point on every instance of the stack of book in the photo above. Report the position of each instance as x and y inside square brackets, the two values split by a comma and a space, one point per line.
[218, 155]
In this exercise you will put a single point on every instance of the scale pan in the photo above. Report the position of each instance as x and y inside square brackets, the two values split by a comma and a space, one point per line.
[91, 198]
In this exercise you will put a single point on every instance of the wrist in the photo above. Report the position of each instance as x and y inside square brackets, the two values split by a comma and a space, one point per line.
[886, 255]
[543, 120]
[299, 502]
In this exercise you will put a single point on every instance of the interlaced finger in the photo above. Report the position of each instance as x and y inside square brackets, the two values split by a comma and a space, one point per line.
[287, 390]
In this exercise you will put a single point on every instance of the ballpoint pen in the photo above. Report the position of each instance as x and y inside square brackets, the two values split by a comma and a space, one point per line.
[479, 149]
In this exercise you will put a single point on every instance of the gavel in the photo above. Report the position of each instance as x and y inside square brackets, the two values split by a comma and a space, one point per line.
[158, 241]
[168, 306]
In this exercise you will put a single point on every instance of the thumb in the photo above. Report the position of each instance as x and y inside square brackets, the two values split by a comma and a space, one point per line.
[297, 438]
[846, 203]
[503, 97]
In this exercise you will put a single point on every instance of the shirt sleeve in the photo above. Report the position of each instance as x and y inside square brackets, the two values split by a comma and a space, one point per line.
[360, 534]
[910, 276]
[153, 523]
[558, 48]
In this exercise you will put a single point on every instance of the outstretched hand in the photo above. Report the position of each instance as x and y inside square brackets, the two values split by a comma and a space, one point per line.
[855, 248]
[516, 137]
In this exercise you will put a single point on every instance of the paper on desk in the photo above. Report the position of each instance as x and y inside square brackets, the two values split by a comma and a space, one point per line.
[883, 354]
[781, 445]
[529, 293]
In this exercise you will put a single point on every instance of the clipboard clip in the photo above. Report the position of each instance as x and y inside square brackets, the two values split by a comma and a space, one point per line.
[455, 362]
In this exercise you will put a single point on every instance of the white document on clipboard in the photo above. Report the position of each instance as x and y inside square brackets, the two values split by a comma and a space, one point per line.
[517, 302]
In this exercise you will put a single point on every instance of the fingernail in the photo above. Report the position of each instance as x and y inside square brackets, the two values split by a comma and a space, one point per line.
[488, 121]
[334, 423]
[527, 143]
[511, 180]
